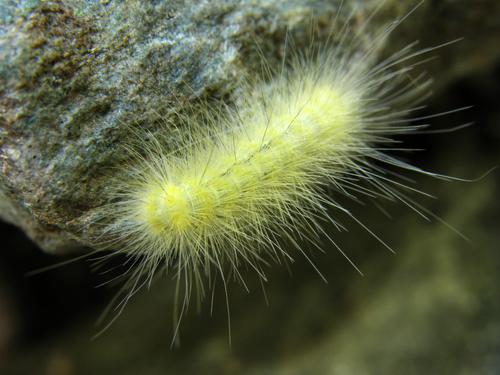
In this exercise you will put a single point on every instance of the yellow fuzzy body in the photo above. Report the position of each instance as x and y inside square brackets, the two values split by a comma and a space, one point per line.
[249, 169]
[260, 171]
[268, 169]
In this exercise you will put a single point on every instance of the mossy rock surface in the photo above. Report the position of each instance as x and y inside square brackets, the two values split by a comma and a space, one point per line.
[76, 76]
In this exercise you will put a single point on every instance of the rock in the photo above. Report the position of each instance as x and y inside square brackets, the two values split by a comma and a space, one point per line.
[77, 75]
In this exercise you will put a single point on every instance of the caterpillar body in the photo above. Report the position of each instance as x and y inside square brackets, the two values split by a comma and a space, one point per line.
[268, 170]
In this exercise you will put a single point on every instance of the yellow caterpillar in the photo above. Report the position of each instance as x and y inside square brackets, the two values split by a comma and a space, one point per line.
[259, 173]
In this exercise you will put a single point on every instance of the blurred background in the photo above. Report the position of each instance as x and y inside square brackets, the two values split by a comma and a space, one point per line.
[433, 307]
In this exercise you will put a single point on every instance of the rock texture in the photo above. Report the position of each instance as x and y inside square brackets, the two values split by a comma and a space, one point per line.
[76, 75]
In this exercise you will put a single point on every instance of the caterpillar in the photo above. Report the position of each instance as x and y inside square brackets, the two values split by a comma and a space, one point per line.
[254, 183]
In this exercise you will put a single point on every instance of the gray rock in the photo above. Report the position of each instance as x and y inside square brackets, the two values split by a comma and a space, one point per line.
[76, 75]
